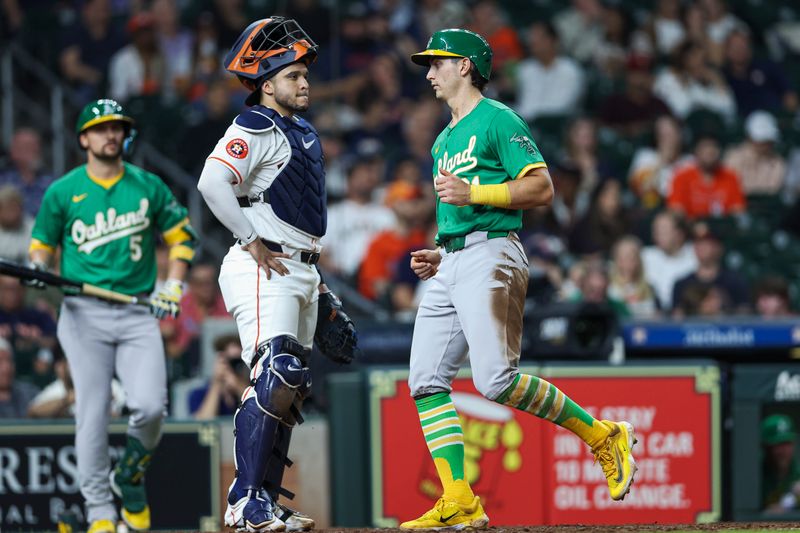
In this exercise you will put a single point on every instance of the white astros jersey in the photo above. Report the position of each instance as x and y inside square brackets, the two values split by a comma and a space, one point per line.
[256, 158]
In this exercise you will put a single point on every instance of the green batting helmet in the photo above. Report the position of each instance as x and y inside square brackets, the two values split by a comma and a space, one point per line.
[458, 43]
[101, 111]
[106, 110]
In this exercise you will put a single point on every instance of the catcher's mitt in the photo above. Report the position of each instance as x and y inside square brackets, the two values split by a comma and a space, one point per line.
[335, 336]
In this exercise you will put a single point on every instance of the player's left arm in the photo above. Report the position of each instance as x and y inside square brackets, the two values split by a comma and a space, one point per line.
[172, 220]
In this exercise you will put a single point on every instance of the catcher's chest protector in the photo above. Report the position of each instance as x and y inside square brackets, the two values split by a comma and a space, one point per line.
[298, 193]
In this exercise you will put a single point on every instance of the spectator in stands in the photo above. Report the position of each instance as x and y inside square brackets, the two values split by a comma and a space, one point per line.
[771, 298]
[15, 225]
[387, 247]
[670, 258]
[756, 83]
[57, 400]
[138, 69]
[206, 54]
[652, 168]
[87, 48]
[706, 187]
[691, 83]
[719, 24]
[202, 300]
[580, 149]
[633, 111]
[316, 17]
[547, 83]
[230, 18]
[31, 332]
[580, 29]
[14, 395]
[435, 15]
[177, 44]
[761, 169]
[420, 125]
[605, 222]
[666, 27]
[206, 126]
[594, 285]
[25, 171]
[710, 272]
[406, 287]
[700, 300]
[780, 471]
[611, 53]
[230, 376]
[570, 203]
[353, 222]
[489, 20]
[627, 280]
[335, 165]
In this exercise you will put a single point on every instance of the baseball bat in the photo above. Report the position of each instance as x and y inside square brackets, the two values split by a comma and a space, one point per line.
[67, 285]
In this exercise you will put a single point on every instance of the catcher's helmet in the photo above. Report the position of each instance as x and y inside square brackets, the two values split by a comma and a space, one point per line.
[456, 42]
[106, 110]
[266, 47]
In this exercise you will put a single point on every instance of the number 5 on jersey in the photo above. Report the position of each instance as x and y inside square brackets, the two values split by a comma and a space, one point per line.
[136, 247]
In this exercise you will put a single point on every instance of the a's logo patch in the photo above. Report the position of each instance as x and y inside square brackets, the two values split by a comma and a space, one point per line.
[524, 142]
[237, 148]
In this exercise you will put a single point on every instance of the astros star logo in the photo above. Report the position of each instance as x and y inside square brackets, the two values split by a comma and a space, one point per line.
[237, 148]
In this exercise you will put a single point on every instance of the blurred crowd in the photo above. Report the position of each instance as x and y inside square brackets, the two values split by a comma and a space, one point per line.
[670, 129]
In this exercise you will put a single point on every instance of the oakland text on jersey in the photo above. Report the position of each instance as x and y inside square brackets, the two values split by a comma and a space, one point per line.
[465, 157]
[109, 227]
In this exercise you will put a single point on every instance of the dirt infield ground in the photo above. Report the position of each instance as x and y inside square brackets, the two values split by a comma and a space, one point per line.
[727, 527]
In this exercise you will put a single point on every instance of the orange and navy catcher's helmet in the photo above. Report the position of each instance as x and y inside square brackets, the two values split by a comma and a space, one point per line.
[266, 47]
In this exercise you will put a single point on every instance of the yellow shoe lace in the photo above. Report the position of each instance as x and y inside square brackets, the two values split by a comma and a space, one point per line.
[603, 455]
[436, 512]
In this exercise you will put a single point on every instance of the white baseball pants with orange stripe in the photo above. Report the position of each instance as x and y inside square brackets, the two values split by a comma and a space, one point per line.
[265, 308]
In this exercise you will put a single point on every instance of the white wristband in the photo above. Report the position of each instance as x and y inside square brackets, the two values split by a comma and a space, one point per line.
[250, 238]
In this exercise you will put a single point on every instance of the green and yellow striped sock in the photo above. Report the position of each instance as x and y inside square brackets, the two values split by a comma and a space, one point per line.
[445, 440]
[543, 399]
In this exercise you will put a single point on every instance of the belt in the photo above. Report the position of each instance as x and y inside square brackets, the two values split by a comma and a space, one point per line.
[247, 201]
[308, 257]
[455, 244]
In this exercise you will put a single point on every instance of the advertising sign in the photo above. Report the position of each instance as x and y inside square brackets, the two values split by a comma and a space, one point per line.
[529, 471]
[39, 476]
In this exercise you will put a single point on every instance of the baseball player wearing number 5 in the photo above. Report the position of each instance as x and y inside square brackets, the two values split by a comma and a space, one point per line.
[105, 215]
[265, 181]
[487, 170]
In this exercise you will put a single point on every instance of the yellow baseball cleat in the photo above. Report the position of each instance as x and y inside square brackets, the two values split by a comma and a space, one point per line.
[615, 458]
[137, 521]
[102, 526]
[447, 514]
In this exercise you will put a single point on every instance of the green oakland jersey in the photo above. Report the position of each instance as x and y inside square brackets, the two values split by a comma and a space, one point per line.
[107, 228]
[490, 145]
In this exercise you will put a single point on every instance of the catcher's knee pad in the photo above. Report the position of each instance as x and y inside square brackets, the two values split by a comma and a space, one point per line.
[284, 375]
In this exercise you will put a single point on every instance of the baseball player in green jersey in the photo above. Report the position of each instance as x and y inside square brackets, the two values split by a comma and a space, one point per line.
[104, 215]
[487, 170]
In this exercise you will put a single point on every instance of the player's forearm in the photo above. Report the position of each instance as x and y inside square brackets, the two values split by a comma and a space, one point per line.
[215, 187]
[177, 269]
[534, 189]
[40, 255]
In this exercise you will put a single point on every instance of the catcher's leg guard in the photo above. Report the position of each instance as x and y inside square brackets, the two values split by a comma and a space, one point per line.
[280, 376]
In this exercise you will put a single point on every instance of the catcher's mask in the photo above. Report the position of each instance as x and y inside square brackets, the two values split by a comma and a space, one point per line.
[266, 47]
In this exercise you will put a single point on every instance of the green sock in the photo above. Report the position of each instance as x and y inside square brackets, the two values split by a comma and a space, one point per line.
[543, 399]
[129, 474]
[445, 440]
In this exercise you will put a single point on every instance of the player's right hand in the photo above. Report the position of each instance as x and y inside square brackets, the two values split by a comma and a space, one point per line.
[35, 283]
[266, 258]
[425, 263]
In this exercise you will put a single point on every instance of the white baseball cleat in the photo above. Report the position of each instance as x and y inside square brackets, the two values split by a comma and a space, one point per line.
[294, 520]
[253, 515]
